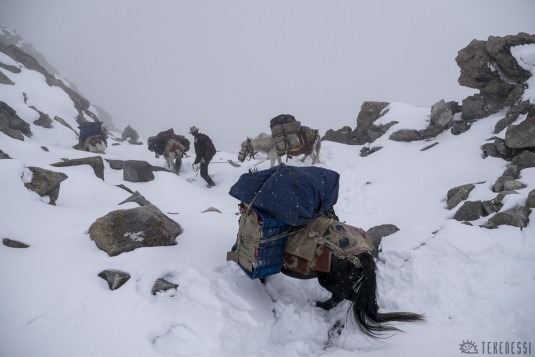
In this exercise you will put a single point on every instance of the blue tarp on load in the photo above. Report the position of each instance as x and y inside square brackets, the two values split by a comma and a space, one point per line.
[294, 195]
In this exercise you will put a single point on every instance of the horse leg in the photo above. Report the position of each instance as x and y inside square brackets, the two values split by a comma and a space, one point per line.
[178, 163]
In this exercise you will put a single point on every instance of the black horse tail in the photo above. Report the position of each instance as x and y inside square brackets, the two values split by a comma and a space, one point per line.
[365, 307]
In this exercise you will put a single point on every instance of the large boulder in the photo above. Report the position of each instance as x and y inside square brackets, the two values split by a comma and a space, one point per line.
[45, 183]
[125, 230]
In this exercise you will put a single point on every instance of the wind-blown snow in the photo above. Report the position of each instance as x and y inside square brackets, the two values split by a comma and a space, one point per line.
[471, 283]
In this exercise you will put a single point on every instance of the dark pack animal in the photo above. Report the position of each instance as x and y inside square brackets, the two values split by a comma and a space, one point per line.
[303, 238]
[171, 146]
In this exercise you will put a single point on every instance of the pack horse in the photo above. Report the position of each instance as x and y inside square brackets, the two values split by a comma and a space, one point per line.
[304, 239]
[309, 144]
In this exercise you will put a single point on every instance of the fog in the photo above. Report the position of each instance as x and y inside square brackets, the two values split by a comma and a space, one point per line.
[228, 67]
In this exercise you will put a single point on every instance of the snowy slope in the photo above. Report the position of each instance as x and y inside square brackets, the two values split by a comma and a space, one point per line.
[472, 283]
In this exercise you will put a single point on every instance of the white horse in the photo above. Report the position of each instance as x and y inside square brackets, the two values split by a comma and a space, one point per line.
[266, 144]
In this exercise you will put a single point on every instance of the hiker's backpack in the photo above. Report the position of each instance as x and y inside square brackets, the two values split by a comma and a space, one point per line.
[89, 129]
[209, 148]
[285, 131]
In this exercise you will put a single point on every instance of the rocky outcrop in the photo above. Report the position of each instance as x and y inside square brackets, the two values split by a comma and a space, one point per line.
[80, 103]
[490, 67]
[11, 124]
[125, 230]
[45, 183]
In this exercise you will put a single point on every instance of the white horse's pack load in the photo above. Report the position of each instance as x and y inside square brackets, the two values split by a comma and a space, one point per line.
[285, 130]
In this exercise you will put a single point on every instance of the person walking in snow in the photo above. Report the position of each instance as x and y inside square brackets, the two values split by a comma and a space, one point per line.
[204, 152]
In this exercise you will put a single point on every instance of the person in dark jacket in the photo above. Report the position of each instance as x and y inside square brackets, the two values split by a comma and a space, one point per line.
[204, 152]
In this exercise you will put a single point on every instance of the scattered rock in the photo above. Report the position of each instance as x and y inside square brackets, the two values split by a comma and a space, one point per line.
[131, 135]
[506, 183]
[11, 124]
[460, 127]
[516, 217]
[162, 285]
[521, 136]
[45, 183]
[94, 161]
[3, 155]
[115, 278]
[115, 164]
[343, 136]
[429, 146]
[137, 171]
[406, 135]
[469, 211]
[441, 114]
[530, 201]
[44, 120]
[137, 198]
[458, 194]
[366, 151]
[525, 160]
[14, 243]
[376, 235]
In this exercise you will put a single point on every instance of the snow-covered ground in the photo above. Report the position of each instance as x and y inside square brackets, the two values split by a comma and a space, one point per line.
[473, 284]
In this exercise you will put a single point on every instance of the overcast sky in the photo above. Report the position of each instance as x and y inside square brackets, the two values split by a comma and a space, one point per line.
[228, 67]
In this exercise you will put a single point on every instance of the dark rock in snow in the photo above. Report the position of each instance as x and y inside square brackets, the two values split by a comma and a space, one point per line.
[458, 194]
[517, 217]
[377, 233]
[137, 171]
[162, 285]
[115, 278]
[469, 211]
[14, 243]
[45, 183]
[94, 161]
[125, 230]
